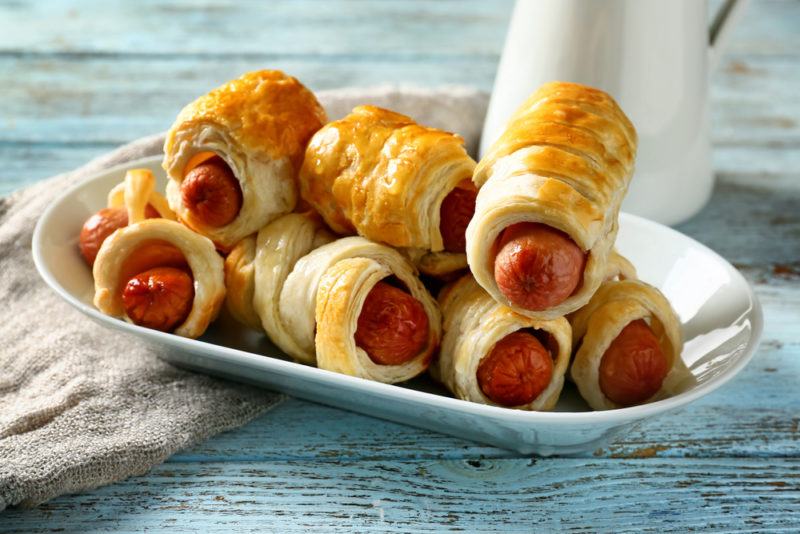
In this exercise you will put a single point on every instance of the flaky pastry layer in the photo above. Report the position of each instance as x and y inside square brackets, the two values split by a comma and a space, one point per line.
[309, 291]
[565, 160]
[381, 175]
[595, 326]
[200, 254]
[259, 125]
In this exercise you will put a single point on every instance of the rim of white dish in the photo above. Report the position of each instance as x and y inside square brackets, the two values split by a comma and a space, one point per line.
[279, 366]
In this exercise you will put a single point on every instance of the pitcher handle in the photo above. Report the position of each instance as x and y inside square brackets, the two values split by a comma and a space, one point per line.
[720, 30]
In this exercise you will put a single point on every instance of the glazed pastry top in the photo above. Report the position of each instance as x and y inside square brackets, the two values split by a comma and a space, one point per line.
[265, 111]
[571, 117]
[379, 173]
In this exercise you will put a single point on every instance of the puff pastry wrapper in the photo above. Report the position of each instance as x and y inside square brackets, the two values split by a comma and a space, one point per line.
[565, 160]
[473, 323]
[381, 175]
[206, 265]
[240, 282]
[259, 125]
[309, 291]
[302, 233]
[615, 304]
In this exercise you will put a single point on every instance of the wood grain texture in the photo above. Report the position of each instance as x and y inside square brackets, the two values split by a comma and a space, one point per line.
[416, 496]
[79, 77]
[82, 77]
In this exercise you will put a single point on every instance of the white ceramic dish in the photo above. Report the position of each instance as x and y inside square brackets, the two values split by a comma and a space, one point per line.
[721, 321]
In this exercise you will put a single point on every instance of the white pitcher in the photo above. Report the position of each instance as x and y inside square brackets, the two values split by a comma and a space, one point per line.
[653, 57]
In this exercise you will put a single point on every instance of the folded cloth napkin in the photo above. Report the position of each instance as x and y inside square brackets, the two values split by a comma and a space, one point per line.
[82, 406]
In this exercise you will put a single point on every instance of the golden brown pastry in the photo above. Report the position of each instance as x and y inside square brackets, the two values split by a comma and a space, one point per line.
[295, 235]
[351, 305]
[628, 346]
[492, 355]
[550, 193]
[156, 272]
[232, 155]
[381, 175]
[136, 193]
[619, 267]
[240, 282]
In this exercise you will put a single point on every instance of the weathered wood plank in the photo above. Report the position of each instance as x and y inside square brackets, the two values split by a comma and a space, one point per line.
[768, 28]
[566, 495]
[105, 99]
[214, 28]
[751, 227]
[310, 26]
[24, 162]
[754, 102]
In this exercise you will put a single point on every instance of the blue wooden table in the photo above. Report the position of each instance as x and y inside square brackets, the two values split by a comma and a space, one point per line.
[79, 78]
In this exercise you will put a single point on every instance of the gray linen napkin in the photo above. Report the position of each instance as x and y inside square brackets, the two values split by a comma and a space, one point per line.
[82, 406]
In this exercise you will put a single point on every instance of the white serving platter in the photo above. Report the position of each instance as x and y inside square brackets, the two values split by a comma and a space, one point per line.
[720, 316]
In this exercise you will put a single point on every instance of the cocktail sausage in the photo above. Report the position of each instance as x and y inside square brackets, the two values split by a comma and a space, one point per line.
[101, 225]
[392, 326]
[633, 367]
[160, 298]
[212, 193]
[516, 371]
[537, 267]
[457, 210]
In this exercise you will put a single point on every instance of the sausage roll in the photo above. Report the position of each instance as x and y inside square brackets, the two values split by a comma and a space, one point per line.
[156, 272]
[133, 199]
[232, 155]
[550, 193]
[628, 344]
[381, 175]
[492, 355]
[351, 306]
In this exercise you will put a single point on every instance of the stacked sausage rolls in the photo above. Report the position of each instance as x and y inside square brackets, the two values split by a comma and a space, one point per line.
[550, 192]
[541, 246]
[347, 305]
[383, 176]
[334, 281]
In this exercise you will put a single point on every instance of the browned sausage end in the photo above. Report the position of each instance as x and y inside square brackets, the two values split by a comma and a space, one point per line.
[517, 370]
[212, 193]
[633, 367]
[159, 298]
[392, 326]
[537, 267]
